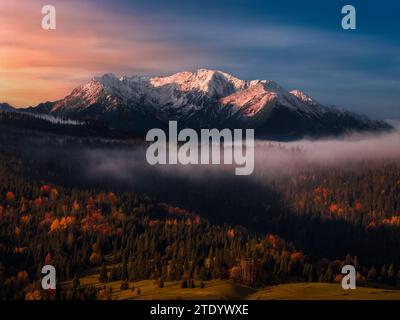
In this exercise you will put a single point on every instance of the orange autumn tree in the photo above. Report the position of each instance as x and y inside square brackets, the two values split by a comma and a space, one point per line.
[358, 206]
[95, 259]
[333, 208]
[10, 196]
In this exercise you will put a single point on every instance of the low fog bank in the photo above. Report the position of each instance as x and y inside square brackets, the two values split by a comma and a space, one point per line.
[354, 147]
[342, 151]
[112, 164]
[270, 158]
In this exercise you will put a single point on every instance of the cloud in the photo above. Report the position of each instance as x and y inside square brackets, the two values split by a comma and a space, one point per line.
[343, 151]
[271, 158]
[353, 70]
[38, 65]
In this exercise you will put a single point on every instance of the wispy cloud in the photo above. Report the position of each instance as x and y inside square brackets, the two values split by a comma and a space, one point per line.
[36, 65]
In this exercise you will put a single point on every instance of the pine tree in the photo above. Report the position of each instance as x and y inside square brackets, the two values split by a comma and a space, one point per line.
[391, 275]
[76, 282]
[184, 284]
[124, 271]
[312, 276]
[203, 274]
[103, 278]
[372, 274]
[348, 260]
[113, 274]
[384, 273]
[329, 275]
[124, 285]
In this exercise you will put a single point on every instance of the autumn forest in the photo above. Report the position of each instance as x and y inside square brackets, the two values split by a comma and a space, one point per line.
[62, 204]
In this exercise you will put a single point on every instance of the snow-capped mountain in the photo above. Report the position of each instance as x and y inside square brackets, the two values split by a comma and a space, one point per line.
[204, 99]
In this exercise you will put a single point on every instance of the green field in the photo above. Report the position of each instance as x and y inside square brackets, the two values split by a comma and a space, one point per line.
[224, 289]
[322, 291]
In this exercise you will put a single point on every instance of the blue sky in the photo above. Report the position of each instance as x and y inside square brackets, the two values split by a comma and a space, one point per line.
[299, 44]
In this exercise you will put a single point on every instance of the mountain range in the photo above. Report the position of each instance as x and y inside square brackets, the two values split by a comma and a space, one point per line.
[204, 99]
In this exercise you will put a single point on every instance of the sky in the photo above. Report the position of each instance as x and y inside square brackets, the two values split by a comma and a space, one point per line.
[299, 44]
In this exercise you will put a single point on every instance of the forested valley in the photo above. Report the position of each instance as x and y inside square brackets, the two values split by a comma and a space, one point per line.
[147, 224]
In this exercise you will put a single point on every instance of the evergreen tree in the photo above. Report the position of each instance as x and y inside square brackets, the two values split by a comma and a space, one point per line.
[113, 274]
[76, 283]
[103, 278]
[124, 271]
[124, 285]
[203, 274]
[312, 276]
[184, 284]
[372, 274]
[391, 275]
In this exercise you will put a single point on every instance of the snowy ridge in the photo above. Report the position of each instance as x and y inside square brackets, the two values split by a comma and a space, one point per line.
[204, 98]
[303, 97]
[183, 91]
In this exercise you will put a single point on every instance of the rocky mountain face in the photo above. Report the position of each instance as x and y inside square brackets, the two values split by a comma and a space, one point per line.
[204, 99]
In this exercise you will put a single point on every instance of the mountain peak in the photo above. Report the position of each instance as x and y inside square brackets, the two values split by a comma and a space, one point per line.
[303, 97]
[106, 79]
[207, 81]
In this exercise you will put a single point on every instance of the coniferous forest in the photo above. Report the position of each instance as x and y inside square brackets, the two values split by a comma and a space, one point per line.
[130, 224]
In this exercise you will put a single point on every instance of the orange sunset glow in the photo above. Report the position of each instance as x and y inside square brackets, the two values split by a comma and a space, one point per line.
[38, 65]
